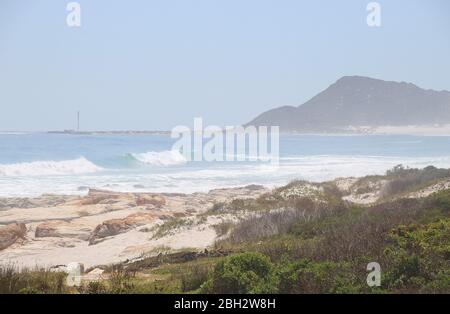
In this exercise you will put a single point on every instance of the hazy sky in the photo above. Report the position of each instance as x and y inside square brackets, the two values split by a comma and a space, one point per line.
[155, 64]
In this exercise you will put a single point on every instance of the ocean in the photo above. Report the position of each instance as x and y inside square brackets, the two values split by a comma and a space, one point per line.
[32, 164]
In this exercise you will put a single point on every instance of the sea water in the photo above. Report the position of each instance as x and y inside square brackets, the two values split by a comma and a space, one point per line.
[32, 164]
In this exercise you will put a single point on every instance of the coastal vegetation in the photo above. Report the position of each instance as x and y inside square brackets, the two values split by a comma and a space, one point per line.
[300, 238]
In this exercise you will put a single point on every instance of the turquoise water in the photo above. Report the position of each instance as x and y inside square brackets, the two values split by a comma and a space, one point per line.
[37, 163]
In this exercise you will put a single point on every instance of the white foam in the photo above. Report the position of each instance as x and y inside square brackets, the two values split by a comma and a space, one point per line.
[164, 158]
[42, 168]
[211, 175]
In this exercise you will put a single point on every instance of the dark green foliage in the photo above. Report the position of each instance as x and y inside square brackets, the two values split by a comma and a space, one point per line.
[419, 257]
[329, 252]
[242, 273]
[304, 276]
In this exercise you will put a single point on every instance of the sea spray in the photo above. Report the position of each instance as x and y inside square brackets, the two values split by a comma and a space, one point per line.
[164, 158]
[45, 168]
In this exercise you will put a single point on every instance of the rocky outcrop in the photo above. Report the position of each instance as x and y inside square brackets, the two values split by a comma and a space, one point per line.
[9, 234]
[62, 229]
[43, 201]
[95, 197]
[8, 203]
[116, 226]
[94, 275]
[156, 200]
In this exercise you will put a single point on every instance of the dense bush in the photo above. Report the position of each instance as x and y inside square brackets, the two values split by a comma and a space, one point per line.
[419, 257]
[328, 254]
[304, 276]
[242, 273]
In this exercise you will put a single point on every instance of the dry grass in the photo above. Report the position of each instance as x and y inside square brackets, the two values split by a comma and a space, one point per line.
[223, 228]
[34, 281]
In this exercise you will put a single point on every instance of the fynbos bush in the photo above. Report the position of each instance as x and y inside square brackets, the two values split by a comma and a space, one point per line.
[242, 273]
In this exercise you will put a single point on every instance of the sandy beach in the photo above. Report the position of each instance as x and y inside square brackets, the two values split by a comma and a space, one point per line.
[107, 227]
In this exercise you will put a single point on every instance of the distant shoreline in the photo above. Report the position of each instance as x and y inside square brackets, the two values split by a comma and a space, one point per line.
[411, 130]
[128, 132]
[419, 130]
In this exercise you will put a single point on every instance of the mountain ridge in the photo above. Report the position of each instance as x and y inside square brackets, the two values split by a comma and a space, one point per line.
[358, 101]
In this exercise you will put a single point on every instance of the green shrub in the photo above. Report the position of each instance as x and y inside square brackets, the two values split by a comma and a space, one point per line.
[419, 256]
[439, 284]
[304, 276]
[404, 271]
[242, 273]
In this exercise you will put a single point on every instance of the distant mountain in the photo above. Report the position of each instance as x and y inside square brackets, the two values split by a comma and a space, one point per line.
[355, 101]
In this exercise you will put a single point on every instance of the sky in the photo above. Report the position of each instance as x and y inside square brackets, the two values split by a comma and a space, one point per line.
[152, 65]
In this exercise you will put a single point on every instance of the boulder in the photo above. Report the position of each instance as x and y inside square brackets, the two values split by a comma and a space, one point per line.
[94, 275]
[95, 197]
[156, 200]
[9, 234]
[114, 227]
[62, 229]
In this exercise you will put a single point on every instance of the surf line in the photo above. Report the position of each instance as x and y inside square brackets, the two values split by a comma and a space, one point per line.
[234, 143]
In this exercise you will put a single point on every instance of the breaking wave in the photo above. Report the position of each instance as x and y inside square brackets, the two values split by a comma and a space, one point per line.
[40, 168]
[164, 158]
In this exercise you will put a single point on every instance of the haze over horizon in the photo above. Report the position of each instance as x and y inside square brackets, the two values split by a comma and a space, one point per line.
[152, 65]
